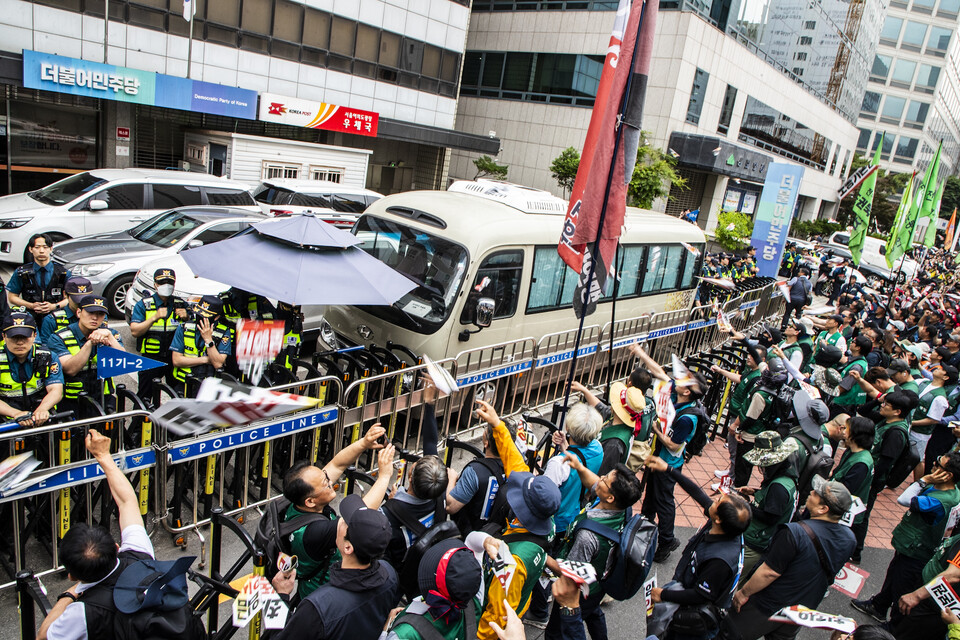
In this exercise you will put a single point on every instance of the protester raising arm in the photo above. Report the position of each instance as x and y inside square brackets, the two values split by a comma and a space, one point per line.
[509, 454]
[655, 369]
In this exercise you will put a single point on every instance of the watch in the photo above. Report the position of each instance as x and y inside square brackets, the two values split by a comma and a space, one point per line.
[67, 594]
[211, 345]
[569, 611]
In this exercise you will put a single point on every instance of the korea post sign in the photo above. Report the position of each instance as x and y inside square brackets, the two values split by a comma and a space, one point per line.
[298, 112]
[774, 211]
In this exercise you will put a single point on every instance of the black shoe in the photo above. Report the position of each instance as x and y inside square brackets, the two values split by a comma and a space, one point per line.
[664, 551]
[856, 558]
[866, 606]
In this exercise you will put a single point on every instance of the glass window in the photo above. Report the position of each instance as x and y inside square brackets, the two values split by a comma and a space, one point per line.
[871, 102]
[431, 61]
[924, 5]
[316, 29]
[411, 55]
[221, 231]
[697, 95]
[949, 6]
[472, 61]
[450, 66]
[272, 195]
[368, 42]
[492, 69]
[663, 269]
[287, 20]
[893, 107]
[224, 12]
[165, 229]
[891, 28]
[552, 284]
[928, 76]
[124, 196]
[630, 259]
[220, 197]
[903, 71]
[887, 144]
[917, 112]
[726, 111]
[939, 38]
[914, 34]
[881, 66]
[390, 49]
[516, 75]
[864, 138]
[63, 191]
[691, 267]
[906, 148]
[498, 277]
[169, 196]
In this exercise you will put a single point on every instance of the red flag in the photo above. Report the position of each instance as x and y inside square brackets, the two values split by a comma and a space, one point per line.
[951, 229]
[596, 193]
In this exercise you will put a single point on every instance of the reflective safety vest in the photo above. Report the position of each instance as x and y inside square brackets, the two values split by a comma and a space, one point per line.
[61, 317]
[25, 396]
[194, 347]
[86, 378]
[156, 341]
[257, 309]
[292, 338]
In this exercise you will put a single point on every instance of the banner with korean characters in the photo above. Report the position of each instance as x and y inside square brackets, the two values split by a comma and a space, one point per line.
[298, 112]
[110, 82]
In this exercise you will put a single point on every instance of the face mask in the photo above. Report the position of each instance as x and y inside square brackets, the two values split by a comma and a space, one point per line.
[165, 290]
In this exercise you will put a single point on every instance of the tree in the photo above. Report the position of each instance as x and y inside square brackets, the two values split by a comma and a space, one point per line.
[653, 174]
[886, 197]
[564, 168]
[951, 197]
[487, 166]
[733, 230]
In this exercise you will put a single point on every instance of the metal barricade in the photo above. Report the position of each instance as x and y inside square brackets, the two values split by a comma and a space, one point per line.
[551, 369]
[30, 597]
[498, 374]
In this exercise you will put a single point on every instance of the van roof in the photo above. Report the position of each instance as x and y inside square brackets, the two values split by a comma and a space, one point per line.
[165, 175]
[479, 223]
[318, 186]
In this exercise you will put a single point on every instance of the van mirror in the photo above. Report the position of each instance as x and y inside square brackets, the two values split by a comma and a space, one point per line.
[484, 315]
[97, 205]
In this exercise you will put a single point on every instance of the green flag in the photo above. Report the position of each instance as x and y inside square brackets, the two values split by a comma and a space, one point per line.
[894, 250]
[861, 209]
[923, 202]
[931, 235]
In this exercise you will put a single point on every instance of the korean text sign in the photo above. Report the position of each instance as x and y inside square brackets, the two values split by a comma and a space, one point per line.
[317, 115]
[774, 212]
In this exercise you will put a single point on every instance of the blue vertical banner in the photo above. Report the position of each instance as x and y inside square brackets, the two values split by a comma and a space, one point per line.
[774, 211]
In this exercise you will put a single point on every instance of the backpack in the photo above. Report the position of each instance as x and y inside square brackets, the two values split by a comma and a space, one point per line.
[704, 427]
[408, 571]
[904, 466]
[633, 549]
[818, 464]
[498, 509]
[273, 535]
[781, 417]
[429, 632]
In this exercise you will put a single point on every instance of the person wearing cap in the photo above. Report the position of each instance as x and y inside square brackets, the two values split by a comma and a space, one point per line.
[915, 539]
[831, 334]
[754, 416]
[851, 393]
[803, 560]
[154, 322]
[952, 343]
[744, 382]
[200, 348]
[796, 345]
[774, 503]
[855, 469]
[850, 291]
[921, 616]
[450, 579]
[913, 354]
[38, 285]
[533, 502]
[711, 562]
[801, 295]
[31, 383]
[310, 489]
[811, 414]
[76, 288]
[76, 347]
[362, 589]
[658, 501]
[933, 406]
[93, 560]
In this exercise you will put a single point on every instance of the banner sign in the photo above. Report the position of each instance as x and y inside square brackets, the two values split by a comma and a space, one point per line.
[298, 112]
[115, 362]
[46, 480]
[258, 343]
[855, 180]
[772, 220]
[110, 82]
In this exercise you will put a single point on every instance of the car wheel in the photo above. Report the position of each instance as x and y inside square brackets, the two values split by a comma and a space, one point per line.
[116, 295]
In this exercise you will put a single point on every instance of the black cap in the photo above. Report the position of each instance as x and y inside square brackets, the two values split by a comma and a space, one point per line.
[368, 529]
[77, 287]
[209, 306]
[19, 324]
[164, 275]
[836, 317]
[897, 366]
[451, 570]
[92, 304]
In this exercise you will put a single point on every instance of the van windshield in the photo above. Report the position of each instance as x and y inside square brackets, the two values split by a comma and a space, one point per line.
[435, 264]
[68, 189]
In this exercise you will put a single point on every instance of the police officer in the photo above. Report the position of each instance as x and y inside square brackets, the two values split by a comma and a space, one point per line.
[76, 288]
[76, 347]
[153, 322]
[38, 285]
[31, 382]
[238, 303]
[200, 348]
[292, 317]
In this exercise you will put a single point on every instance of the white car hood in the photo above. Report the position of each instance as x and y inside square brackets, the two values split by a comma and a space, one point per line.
[20, 205]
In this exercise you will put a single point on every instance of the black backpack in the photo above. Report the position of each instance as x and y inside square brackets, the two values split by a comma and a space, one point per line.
[703, 429]
[429, 632]
[408, 571]
[497, 517]
[904, 466]
[818, 464]
[633, 547]
[273, 535]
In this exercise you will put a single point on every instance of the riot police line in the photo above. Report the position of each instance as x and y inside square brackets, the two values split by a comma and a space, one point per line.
[199, 486]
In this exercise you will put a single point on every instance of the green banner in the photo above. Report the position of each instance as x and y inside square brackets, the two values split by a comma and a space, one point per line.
[894, 249]
[861, 209]
[931, 234]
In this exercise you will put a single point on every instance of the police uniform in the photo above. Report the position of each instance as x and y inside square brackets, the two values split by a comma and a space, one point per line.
[292, 318]
[34, 283]
[76, 288]
[239, 304]
[23, 385]
[188, 341]
[155, 343]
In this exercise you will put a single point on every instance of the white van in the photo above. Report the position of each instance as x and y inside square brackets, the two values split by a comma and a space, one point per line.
[873, 259]
[106, 200]
[335, 203]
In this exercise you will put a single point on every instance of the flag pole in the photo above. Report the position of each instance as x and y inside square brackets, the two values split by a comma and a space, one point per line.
[106, 28]
[603, 213]
[613, 319]
[193, 10]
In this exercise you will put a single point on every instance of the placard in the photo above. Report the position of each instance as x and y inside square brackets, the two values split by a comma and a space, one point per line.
[850, 580]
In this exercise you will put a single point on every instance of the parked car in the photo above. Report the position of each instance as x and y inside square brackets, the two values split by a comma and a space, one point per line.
[338, 204]
[111, 260]
[873, 260]
[106, 200]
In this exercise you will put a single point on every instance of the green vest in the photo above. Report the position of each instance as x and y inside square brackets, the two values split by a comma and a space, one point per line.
[86, 378]
[830, 338]
[790, 349]
[758, 534]
[741, 391]
[856, 395]
[926, 401]
[882, 427]
[847, 461]
[306, 565]
[534, 558]
[194, 347]
[615, 521]
[155, 343]
[917, 539]
[25, 396]
[620, 432]
[761, 423]
[808, 356]
[938, 563]
[448, 631]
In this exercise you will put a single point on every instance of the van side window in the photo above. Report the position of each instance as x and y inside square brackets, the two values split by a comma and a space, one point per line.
[552, 282]
[218, 196]
[221, 231]
[663, 269]
[271, 195]
[629, 261]
[691, 267]
[169, 196]
[122, 196]
[348, 203]
[498, 277]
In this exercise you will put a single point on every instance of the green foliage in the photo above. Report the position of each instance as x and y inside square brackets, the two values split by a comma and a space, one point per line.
[951, 197]
[804, 229]
[737, 236]
[564, 168]
[886, 198]
[653, 174]
[487, 166]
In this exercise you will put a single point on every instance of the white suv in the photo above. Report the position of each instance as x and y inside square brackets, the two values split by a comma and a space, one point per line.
[338, 204]
[106, 200]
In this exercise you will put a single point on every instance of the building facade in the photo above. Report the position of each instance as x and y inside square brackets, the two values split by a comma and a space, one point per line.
[394, 63]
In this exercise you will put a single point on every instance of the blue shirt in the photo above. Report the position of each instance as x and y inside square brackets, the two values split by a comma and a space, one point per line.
[23, 372]
[224, 346]
[59, 349]
[49, 325]
[683, 429]
[44, 274]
